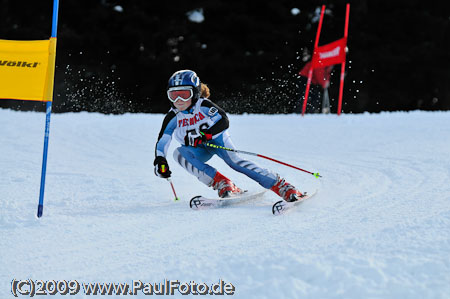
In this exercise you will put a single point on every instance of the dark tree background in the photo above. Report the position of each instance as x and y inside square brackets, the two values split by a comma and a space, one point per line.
[116, 56]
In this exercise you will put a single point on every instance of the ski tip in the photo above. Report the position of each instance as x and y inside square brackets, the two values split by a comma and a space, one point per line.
[277, 207]
[194, 203]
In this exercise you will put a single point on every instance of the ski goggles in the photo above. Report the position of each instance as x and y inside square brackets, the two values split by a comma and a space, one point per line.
[183, 93]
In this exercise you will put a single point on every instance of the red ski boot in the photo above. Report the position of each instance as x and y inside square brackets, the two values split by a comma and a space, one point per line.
[286, 190]
[225, 187]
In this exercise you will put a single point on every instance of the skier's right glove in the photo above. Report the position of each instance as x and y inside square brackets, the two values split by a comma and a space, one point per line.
[161, 167]
[194, 139]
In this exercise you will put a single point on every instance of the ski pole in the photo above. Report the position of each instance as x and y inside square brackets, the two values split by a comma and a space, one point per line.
[316, 174]
[173, 189]
[163, 169]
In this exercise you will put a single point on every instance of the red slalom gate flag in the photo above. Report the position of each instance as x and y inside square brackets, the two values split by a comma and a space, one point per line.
[320, 76]
[330, 54]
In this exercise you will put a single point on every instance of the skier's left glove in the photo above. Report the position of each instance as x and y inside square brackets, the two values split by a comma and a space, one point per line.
[193, 138]
[161, 167]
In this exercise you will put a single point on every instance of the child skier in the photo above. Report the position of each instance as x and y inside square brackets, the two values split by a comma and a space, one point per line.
[194, 119]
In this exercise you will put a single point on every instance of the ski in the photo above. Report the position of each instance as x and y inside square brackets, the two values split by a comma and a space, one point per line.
[202, 203]
[282, 206]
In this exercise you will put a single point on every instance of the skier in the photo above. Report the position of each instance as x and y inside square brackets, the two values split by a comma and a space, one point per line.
[194, 120]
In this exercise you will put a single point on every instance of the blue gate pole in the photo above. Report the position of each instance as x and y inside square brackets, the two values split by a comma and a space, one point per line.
[47, 122]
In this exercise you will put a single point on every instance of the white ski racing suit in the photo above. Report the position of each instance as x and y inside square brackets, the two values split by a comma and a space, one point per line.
[205, 115]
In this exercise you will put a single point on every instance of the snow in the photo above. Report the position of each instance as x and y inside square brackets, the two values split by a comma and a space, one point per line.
[196, 15]
[118, 8]
[295, 11]
[379, 227]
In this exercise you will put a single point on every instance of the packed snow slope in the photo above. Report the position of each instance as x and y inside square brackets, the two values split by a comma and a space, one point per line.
[379, 226]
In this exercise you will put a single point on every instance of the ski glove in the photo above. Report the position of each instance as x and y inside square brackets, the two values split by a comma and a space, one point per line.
[161, 167]
[193, 138]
